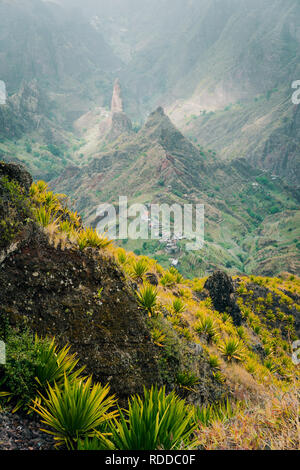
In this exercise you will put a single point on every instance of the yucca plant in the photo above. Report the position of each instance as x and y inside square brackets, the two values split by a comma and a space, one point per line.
[168, 280]
[45, 216]
[214, 362]
[270, 365]
[232, 348]
[122, 256]
[187, 380]
[54, 364]
[207, 326]
[76, 410]
[241, 332]
[178, 306]
[139, 269]
[217, 412]
[158, 337]
[66, 227]
[95, 443]
[32, 364]
[178, 277]
[154, 421]
[90, 238]
[147, 297]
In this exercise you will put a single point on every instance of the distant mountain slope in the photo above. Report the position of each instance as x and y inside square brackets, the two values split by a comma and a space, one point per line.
[251, 220]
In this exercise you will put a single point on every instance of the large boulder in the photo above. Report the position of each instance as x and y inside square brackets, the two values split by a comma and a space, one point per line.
[221, 290]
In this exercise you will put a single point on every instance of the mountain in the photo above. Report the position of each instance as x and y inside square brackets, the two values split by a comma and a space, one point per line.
[251, 219]
[222, 344]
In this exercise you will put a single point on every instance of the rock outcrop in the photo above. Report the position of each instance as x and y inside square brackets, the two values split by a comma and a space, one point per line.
[54, 291]
[117, 102]
[221, 290]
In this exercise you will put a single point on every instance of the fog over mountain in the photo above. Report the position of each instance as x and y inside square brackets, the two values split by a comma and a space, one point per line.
[222, 70]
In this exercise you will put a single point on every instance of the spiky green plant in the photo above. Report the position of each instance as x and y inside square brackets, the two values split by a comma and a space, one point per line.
[154, 421]
[45, 216]
[90, 238]
[139, 268]
[187, 379]
[158, 337]
[232, 348]
[178, 277]
[207, 326]
[122, 256]
[95, 443]
[147, 297]
[178, 306]
[214, 362]
[76, 410]
[54, 364]
[222, 412]
[168, 279]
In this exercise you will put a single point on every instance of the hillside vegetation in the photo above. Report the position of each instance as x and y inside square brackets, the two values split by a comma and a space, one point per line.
[222, 345]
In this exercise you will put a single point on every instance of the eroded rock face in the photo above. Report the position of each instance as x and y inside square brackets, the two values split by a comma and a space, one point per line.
[117, 102]
[221, 290]
[54, 292]
[17, 173]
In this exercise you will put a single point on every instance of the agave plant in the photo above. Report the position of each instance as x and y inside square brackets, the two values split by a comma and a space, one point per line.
[90, 238]
[147, 296]
[122, 256]
[45, 216]
[178, 277]
[223, 411]
[232, 348]
[207, 326]
[54, 364]
[187, 380]
[158, 337]
[178, 306]
[76, 410]
[154, 421]
[138, 269]
[168, 280]
[214, 362]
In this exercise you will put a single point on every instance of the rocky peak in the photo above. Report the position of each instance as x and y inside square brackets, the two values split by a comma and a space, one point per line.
[117, 102]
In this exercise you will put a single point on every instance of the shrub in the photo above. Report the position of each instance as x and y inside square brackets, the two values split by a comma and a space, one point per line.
[75, 411]
[147, 298]
[155, 421]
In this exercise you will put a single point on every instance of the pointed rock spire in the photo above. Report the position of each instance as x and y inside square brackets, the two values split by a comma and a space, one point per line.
[117, 102]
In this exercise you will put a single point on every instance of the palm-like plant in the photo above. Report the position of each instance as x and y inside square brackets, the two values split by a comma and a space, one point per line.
[155, 421]
[138, 269]
[90, 238]
[54, 364]
[147, 296]
[168, 279]
[207, 326]
[45, 216]
[76, 410]
[232, 348]
[158, 337]
[178, 306]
